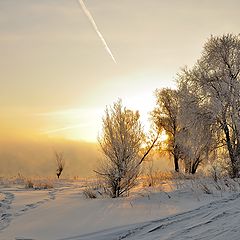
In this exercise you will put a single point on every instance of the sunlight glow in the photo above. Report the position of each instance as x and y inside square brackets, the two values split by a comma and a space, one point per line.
[144, 103]
[163, 137]
[74, 124]
[86, 124]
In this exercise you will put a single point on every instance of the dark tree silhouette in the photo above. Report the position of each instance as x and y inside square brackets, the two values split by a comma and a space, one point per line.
[60, 163]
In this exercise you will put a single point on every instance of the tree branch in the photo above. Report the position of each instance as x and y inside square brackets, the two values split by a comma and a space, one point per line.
[149, 149]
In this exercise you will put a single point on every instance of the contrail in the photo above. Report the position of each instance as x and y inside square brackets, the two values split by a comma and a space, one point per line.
[64, 128]
[89, 16]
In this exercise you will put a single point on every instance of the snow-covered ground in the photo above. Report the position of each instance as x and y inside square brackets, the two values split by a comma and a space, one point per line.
[177, 210]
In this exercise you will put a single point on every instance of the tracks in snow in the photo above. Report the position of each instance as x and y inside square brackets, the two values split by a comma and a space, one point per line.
[5, 216]
[52, 196]
[216, 220]
[7, 213]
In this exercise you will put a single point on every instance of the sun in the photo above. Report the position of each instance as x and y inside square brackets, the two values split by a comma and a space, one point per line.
[163, 137]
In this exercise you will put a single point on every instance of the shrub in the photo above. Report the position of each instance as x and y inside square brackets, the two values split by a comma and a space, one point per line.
[89, 193]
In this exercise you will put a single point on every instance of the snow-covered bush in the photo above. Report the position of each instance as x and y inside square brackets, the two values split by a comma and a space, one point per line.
[38, 184]
[89, 193]
[29, 183]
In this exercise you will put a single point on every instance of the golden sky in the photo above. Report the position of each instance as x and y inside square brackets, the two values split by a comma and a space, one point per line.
[56, 77]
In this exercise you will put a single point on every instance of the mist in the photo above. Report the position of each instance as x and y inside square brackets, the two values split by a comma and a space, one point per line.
[36, 157]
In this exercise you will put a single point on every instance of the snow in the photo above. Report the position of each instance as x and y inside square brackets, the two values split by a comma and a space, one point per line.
[62, 213]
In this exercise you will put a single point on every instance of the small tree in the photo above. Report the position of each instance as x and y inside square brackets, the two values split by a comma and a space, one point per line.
[60, 163]
[121, 141]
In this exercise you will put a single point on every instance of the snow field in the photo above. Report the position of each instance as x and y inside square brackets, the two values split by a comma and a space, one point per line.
[178, 209]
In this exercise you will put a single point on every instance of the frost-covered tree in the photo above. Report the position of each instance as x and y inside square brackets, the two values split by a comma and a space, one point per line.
[121, 141]
[196, 136]
[215, 81]
[165, 117]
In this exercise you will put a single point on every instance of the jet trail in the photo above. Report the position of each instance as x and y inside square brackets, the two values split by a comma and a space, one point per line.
[64, 128]
[89, 16]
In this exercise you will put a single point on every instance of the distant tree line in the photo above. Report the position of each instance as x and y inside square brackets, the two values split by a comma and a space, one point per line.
[201, 118]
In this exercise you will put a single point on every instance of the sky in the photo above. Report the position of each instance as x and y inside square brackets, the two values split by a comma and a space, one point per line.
[57, 77]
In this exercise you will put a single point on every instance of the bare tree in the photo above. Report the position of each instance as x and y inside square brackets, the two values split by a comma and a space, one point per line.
[165, 117]
[60, 163]
[215, 81]
[121, 141]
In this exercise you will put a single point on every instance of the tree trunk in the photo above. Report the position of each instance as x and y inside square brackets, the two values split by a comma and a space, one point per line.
[232, 155]
[118, 187]
[195, 166]
[235, 169]
[176, 166]
[114, 191]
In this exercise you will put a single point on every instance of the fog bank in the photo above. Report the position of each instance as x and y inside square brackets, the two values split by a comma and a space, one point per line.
[36, 157]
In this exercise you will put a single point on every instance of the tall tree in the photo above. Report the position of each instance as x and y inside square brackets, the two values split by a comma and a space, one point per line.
[216, 83]
[165, 117]
[196, 137]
